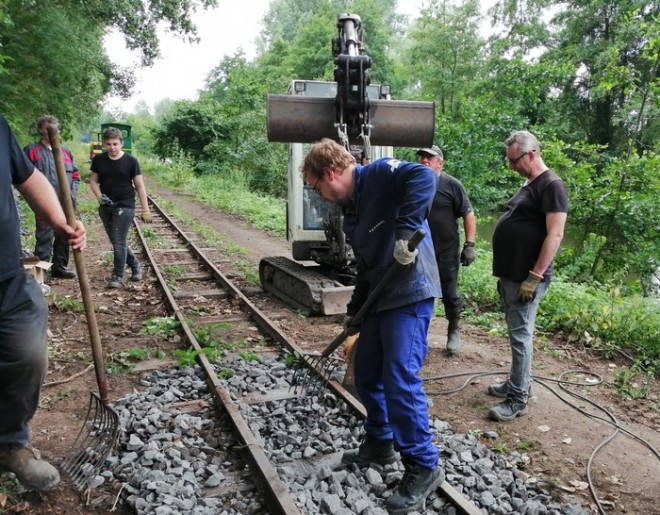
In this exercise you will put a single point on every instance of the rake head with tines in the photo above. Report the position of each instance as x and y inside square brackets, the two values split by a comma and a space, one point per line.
[94, 442]
[314, 371]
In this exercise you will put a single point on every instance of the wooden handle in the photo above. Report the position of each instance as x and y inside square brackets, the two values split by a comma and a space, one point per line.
[92, 325]
[373, 295]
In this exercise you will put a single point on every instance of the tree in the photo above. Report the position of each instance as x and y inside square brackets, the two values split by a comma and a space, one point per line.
[52, 58]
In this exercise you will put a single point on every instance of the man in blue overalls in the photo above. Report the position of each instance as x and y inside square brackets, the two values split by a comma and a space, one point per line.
[384, 204]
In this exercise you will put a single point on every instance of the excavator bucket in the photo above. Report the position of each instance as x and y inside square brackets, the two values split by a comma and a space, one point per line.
[396, 123]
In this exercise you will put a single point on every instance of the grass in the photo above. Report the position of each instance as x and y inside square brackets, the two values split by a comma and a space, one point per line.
[597, 315]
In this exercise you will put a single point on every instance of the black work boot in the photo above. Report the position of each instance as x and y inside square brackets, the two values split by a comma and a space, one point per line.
[371, 450]
[61, 272]
[415, 486]
[31, 471]
[453, 336]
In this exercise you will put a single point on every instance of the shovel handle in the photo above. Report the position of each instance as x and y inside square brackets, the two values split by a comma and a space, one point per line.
[92, 325]
[373, 295]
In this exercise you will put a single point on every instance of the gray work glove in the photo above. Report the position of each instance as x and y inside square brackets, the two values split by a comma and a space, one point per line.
[402, 254]
[468, 254]
[348, 326]
[104, 200]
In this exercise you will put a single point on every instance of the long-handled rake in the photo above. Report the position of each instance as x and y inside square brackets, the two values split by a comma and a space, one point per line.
[100, 429]
[325, 364]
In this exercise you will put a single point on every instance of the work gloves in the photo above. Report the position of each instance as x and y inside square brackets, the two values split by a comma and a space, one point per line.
[145, 216]
[528, 286]
[348, 326]
[104, 200]
[402, 254]
[468, 254]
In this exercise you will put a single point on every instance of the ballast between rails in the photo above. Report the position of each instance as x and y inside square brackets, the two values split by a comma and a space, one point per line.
[272, 487]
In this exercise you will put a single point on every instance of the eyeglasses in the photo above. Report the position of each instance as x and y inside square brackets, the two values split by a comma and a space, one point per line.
[316, 183]
[514, 161]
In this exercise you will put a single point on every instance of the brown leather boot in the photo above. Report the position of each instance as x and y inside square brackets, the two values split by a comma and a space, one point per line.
[31, 471]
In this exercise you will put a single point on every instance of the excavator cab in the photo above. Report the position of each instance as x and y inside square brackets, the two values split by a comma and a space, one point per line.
[362, 117]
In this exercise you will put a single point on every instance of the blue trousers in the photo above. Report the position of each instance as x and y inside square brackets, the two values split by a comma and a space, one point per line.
[117, 221]
[388, 358]
[520, 320]
[23, 355]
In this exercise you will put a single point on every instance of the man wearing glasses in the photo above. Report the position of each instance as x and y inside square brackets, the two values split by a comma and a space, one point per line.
[525, 241]
[450, 203]
[384, 204]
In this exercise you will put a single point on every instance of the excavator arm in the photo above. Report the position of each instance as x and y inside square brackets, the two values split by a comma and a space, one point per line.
[363, 118]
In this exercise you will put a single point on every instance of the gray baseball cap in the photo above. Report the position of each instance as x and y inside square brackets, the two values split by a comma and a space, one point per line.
[433, 151]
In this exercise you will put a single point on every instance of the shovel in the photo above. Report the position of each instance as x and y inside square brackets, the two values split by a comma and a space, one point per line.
[100, 429]
[324, 363]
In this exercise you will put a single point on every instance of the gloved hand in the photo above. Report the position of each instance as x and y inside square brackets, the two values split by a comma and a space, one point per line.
[104, 200]
[468, 254]
[528, 286]
[146, 216]
[402, 254]
[348, 327]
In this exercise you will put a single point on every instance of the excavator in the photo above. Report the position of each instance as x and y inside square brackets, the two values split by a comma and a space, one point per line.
[369, 123]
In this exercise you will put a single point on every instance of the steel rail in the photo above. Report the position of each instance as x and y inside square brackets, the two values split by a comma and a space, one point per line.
[274, 489]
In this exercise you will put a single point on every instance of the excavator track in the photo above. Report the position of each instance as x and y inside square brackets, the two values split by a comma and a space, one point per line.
[303, 287]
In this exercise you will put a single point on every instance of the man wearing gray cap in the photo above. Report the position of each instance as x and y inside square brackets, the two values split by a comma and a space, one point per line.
[451, 202]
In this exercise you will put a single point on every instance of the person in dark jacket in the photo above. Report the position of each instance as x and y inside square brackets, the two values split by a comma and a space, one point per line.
[525, 242]
[24, 314]
[450, 203]
[49, 245]
[384, 203]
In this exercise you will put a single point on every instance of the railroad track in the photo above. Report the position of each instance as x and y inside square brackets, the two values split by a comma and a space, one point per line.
[249, 383]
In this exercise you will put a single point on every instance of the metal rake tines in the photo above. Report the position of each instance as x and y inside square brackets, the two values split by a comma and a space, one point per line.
[315, 373]
[93, 444]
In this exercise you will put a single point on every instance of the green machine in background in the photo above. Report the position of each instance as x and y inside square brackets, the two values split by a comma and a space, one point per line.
[96, 144]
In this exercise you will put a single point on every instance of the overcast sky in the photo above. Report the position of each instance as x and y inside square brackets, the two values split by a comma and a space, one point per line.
[181, 72]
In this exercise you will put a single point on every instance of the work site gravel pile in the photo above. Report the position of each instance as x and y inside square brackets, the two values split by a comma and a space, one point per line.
[169, 460]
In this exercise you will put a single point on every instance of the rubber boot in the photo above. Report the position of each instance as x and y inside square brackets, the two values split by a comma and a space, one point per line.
[453, 336]
[31, 471]
[371, 450]
[415, 486]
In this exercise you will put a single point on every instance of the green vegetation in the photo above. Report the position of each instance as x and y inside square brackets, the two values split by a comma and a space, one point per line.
[176, 269]
[68, 303]
[632, 384]
[599, 316]
[163, 327]
[249, 356]
[499, 448]
[124, 361]
[50, 401]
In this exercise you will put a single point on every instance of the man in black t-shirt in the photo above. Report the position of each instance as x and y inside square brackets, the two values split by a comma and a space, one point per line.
[525, 242]
[24, 314]
[450, 203]
[115, 178]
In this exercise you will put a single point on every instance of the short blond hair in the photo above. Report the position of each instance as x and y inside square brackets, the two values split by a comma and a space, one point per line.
[326, 153]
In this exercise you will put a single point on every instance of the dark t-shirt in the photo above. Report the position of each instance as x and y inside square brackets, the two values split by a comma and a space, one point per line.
[116, 177]
[521, 230]
[450, 203]
[15, 168]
